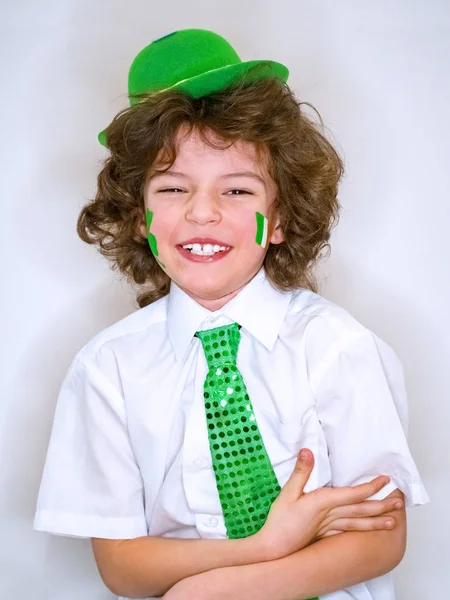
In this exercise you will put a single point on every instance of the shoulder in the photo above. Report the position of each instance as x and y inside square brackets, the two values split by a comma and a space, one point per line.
[126, 334]
[340, 351]
[317, 316]
[329, 332]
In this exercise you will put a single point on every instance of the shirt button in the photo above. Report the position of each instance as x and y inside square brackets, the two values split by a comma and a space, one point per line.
[213, 522]
[199, 462]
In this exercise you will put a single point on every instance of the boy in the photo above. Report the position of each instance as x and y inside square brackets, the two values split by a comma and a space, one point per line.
[185, 420]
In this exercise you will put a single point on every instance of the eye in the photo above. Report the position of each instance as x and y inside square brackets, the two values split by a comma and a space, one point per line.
[169, 190]
[239, 192]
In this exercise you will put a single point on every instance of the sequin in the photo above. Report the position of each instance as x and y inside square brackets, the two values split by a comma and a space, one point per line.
[246, 492]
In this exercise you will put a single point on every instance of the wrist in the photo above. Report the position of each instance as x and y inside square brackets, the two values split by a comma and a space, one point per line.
[248, 550]
[263, 548]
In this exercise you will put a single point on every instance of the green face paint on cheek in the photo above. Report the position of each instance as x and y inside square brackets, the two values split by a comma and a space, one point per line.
[261, 229]
[151, 238]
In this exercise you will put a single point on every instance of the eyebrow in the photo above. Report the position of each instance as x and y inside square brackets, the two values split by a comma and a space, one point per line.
[245, 174]
[250, 174]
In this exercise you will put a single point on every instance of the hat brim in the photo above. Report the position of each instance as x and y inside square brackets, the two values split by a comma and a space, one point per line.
[219, 79]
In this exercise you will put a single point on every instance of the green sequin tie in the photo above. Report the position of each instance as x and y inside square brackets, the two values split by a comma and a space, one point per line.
[245, 478]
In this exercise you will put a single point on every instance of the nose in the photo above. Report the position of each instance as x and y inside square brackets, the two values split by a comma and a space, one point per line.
[203, 209]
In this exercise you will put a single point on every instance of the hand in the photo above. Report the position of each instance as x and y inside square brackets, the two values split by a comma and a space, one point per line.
[296, 518]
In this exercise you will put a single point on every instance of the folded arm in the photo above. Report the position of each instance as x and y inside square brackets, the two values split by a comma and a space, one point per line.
[328, 565]
[149, 566]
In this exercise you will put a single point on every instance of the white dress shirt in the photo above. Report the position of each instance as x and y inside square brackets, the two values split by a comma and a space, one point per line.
[129, 453]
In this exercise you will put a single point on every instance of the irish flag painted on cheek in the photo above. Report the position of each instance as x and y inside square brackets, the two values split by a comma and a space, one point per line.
[261, 229]
[151, 238]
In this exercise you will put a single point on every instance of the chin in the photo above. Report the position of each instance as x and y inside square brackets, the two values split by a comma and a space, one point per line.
[208, 292]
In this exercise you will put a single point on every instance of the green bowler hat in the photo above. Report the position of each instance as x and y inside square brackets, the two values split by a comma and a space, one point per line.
[195, 61]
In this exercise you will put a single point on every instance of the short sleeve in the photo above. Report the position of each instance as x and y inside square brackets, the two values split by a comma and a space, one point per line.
[362, 407]
[91, 485]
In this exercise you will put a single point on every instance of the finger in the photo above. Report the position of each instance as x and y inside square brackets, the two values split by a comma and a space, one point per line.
[369, 508]
[300, 475]
[354, 494]
[367, 524]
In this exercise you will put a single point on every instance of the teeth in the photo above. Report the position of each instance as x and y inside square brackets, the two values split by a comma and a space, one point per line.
[205, 249]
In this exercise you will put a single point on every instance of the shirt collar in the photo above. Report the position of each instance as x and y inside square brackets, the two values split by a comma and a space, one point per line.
[259, 308]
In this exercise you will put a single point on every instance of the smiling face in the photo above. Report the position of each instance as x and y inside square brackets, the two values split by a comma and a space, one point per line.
[205, 217]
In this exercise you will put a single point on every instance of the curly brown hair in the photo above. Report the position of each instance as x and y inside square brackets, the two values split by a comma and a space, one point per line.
[302, 162]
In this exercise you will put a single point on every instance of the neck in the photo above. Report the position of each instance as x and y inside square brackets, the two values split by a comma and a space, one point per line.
[213, 304]
[217, 302]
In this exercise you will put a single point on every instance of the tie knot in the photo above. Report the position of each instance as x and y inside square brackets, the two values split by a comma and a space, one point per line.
[220, 344]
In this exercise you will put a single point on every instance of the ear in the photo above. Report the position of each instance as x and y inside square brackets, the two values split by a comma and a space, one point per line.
[275, 232]
[141, 225]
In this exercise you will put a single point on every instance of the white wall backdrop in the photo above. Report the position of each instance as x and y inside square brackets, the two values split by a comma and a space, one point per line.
[378, 72]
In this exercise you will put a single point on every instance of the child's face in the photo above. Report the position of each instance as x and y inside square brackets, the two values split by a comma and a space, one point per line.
[202, 218]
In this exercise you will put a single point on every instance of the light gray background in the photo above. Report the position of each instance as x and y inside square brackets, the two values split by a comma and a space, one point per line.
[379, 74]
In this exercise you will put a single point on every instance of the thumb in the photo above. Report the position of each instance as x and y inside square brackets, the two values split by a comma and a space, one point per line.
[300, 475]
